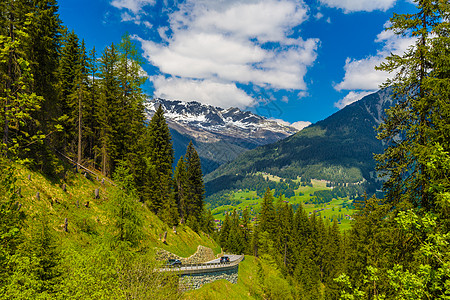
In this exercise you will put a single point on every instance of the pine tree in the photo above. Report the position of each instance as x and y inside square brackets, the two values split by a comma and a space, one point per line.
[159, 161]
[124, 207]
[267, 217]
[18, 102]
[195, 185]
[416, 123]
[181, 188]
[107, 108]
[11, 220]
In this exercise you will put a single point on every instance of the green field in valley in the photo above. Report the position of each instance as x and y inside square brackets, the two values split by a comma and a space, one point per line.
[340, 208]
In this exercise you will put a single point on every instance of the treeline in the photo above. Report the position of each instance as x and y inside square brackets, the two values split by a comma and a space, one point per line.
[85, 258]
[325, 196]
[398, 246]
[61, 99]
[220, 191]
[307, 251]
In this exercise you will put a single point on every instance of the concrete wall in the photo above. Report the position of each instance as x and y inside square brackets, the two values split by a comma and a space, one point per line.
[195, 281]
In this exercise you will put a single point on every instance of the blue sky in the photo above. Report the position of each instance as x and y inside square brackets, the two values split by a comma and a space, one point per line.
[293, 60]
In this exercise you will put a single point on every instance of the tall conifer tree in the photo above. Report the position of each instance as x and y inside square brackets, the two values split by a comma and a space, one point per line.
[196, 187]
[107, 108]
[159, 159]
[267, 218]
[181, 188]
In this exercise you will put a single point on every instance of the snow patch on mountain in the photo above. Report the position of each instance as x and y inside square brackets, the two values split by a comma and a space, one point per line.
[216, 119]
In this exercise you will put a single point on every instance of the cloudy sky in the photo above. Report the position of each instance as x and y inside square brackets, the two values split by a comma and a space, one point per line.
[294, 60]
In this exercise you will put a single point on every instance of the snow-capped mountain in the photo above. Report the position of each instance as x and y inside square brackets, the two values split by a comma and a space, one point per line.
[219, 135]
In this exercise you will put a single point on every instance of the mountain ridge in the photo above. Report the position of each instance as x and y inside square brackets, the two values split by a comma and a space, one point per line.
[339, 148]
[219, 134]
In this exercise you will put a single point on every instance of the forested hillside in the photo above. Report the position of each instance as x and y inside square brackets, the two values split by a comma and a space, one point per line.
[65, 110]
[339, 148]
[87, 186]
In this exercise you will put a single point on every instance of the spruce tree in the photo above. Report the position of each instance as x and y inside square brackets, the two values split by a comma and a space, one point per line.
[267, 217]
[208, 225]
[181, 188]
[42, 249]
[18, 102]
[11, 220]
[195, 185]
[224, 232]
[125, 211]
[69, 74]
[159, 160]
[92, 127]
[43, 54]
[107, 109]
[130, 120]
[418, 121]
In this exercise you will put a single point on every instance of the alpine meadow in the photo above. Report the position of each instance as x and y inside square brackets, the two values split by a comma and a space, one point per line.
[110, 191]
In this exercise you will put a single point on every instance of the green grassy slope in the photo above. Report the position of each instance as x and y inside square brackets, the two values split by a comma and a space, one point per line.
[339, 208]
[88, 222]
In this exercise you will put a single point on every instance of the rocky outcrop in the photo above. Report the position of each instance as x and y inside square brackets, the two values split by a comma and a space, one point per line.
[203, 254]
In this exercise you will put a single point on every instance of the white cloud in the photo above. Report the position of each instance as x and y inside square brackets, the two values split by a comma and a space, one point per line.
[230, 42]
[360, 74]
[359, 5]
[136, 19]
[301, 124]
[204, 91]
[298, 125]
[351, 97]
[135, 6]
[264, 20]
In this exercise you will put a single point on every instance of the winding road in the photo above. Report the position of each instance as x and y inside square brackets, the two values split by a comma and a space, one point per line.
[210, 266]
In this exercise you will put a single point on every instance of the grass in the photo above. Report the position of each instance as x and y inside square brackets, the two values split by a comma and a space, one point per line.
[89, 218]
[247, 287]
[329, 211]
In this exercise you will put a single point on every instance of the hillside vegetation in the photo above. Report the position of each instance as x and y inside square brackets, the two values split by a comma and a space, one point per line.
[89, 260]
[339, 148]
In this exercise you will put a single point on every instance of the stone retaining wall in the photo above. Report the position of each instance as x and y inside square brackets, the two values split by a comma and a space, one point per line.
[202, 255]
[196, 281]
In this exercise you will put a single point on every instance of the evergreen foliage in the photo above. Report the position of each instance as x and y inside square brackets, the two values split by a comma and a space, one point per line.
[195, 187]
[160, 159]
[59, 98]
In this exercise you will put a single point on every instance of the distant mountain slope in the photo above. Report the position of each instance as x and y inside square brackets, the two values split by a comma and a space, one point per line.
[338, 148]
[219, 135]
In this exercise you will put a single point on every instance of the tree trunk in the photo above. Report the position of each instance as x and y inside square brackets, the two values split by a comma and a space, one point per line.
[8, 80]
[79, 128]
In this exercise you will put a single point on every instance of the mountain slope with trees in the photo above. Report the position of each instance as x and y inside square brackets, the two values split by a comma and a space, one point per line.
[64, 236]
[338, 149]
[218, 134]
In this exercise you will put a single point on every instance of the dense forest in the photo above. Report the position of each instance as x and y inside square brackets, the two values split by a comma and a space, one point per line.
[64, 107]
[398, 246]
[61, 100]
